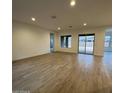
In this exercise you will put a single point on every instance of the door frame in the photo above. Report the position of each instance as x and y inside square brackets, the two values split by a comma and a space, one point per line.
[85, 43]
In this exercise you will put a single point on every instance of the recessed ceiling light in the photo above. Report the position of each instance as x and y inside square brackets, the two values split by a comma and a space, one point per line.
[72, 3]
[59, 28]
[85, 24]
[33, 19]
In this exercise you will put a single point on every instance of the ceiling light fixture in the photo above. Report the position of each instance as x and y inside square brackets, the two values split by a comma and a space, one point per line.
[85, 24]
[73, 2]
[33, 19]
[59, 28]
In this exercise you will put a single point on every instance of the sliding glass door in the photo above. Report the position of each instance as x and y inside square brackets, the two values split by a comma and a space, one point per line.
[86, 43]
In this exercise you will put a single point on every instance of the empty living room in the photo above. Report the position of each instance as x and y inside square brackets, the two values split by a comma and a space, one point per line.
[62, 46]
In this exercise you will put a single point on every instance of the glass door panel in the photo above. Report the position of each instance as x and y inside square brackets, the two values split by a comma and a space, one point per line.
[82, 44]
[89, 44]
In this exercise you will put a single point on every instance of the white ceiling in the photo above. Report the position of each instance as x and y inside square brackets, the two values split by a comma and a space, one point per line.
[95, 12]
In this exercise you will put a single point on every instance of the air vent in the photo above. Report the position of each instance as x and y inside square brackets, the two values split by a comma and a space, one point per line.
[53, 17]
[70, 26]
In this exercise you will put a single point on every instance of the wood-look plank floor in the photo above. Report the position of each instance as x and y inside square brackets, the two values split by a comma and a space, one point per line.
[64, 73]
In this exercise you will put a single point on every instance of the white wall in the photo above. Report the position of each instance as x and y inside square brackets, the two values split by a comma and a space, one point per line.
[99, 40]
[29, 40]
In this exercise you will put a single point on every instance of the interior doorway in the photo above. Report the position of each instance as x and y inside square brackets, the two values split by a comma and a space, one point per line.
[86, 43]
[51, 42]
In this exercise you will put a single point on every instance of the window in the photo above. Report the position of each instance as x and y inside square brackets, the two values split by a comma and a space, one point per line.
[108, 41]
[66, 41]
